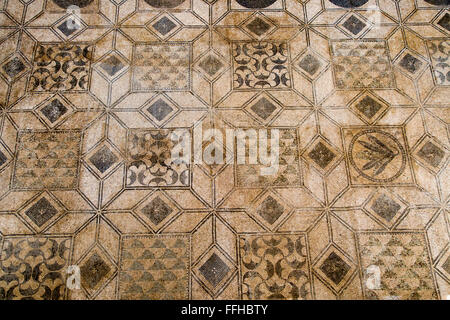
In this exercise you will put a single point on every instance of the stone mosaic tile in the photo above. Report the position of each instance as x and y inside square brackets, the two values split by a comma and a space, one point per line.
[47, 159]
[155, 268]
[161, 66]
[25, 277]
[96, 99]
[403, 262]
[59, 67]
[267, 276]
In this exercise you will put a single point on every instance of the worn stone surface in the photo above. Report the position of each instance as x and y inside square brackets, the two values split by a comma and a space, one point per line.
[95, 103]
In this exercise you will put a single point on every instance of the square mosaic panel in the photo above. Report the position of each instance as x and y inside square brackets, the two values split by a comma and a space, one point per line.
[274, 266]
[377, 156]
[155, 268]
[261, 65]
[23, 277]
[61, 67]
[47, 159]
[150, 161]
[161, 67]
[288, 173]
[402, 261]
[361, 64]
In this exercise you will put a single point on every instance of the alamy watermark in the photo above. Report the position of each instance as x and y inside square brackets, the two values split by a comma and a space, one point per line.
[230, 146]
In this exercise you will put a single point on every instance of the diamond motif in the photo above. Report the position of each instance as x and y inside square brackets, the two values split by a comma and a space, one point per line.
[258, 26]
[263, 108]
[160, 109]
[157, 210]
[446, 265]
[2, 158]
[431, 154]
[69, 26]
[368, 107]
[54, 110]
[444, 22]
[214, 270]
[335, 268]
[310, 64]
[410, 63]
[211, 65]
[112, 65]
[93, 271]
[270, 210]
[14, 67]
[354, 25]
[41, 212]
[164, 25]
[321, 155]
[103, 159]
[385, 207]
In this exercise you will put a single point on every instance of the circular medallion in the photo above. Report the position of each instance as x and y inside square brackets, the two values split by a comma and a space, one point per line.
[164, 3]
[67, 3]
[256, 4]
[377, 155]
[349, 3]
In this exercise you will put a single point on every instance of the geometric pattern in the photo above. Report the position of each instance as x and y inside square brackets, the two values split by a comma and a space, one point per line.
[112, 65]
[354, 25]
[13, 67]
[267, 276]
[214, 269]
[361, 64]
[211, 65]
[23, 277]
[161, 67]
[385, 206]
[157, 210]
[94, 102]
[160, 109]
[54, 110]
[41, 212]
[258, 26]
[95, 269]
[47, 159]
[154, 268]
[150, 162]
[403, 260]
[260, 65]
[103, 159]
[335, 268]
[164, 25]
[61, 67]
[249, 175]
[368, 107]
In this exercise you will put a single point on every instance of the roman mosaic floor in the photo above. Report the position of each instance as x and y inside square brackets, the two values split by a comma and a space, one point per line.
[92, 206]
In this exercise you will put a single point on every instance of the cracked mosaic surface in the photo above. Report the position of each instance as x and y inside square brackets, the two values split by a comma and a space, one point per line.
[90, 98]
